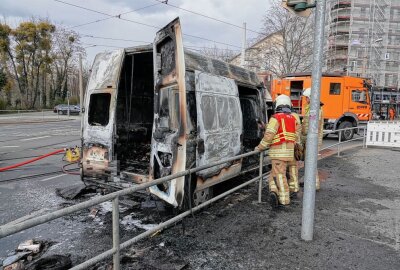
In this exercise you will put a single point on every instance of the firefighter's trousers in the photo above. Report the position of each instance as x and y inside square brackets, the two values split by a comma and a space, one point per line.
[293, 176]
[278, 181]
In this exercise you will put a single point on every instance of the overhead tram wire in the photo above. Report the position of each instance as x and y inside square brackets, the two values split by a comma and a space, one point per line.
[116, 39]
[148, 42]
[117, 15]
[208, 17]
[144, 24]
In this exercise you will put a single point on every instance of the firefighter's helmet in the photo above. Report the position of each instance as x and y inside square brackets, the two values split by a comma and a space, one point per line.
[307, 92]
[283, 100]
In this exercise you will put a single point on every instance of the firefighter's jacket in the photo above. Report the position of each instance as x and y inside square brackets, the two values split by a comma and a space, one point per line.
[298, 127]
[304, 126]
[280, 136]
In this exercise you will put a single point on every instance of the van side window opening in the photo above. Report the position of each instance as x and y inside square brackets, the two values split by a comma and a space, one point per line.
[99, 109]
[335, 88]
[358, 96]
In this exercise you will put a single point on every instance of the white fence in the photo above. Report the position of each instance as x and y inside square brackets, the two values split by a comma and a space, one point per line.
[383, 133]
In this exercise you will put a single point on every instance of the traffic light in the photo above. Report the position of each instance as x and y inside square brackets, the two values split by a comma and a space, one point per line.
[299, 7]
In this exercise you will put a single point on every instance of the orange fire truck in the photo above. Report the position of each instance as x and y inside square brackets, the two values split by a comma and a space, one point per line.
[346, 99]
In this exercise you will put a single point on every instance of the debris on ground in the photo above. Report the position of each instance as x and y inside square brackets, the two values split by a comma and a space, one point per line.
[15, 258]
[26, 252]
[53, 262]
[93, 212]
[29, 245]
[15, 266]
[74, 191]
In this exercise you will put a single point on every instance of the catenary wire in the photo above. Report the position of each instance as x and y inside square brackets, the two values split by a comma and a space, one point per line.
[209, 17]
[144, 24]
[120, 14]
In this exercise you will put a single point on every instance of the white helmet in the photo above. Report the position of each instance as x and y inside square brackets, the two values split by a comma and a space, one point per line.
[307, 92]
[283, 100]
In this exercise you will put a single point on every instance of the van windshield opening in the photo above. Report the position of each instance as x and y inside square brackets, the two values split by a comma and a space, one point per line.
[99, 109]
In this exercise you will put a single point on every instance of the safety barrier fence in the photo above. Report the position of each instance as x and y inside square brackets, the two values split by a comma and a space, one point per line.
[383, 133]
[9, 229]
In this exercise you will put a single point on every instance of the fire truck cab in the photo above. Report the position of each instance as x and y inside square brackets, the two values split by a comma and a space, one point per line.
[346, 100]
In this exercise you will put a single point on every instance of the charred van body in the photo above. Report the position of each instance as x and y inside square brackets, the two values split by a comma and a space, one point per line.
[157, 110]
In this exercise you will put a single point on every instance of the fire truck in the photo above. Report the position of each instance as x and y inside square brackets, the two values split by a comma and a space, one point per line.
[346, 100]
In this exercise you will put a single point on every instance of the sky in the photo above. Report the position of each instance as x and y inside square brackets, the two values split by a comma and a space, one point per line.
[149, 12]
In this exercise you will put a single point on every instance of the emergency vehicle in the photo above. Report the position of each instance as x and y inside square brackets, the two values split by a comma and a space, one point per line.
[346, 100]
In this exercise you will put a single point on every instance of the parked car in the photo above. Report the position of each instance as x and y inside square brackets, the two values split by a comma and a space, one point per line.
[63, 109]
[58, 107]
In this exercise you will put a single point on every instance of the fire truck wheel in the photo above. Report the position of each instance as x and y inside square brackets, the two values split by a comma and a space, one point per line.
[346, 134]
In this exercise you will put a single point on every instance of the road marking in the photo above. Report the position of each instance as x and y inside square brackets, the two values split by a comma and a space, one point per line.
[50, 178]
[10, 146]
[36, 138]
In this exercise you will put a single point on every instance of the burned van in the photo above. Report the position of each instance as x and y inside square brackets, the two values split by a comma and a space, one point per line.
[157, 110]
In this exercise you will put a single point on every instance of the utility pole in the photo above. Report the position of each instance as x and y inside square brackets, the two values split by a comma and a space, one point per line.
[307, 226]
[80, 84]
[81, 101]
[242, 57]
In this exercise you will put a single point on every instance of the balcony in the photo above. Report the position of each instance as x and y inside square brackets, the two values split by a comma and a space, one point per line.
[342, 4]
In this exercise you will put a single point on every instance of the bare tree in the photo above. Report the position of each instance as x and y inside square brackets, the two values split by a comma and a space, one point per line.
[292, 47]
[66, 46]
[218, 53]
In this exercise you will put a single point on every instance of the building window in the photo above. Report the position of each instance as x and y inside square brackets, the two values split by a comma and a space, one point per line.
[335, 88]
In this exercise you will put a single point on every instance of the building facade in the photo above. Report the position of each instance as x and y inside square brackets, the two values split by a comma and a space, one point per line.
[363, 39]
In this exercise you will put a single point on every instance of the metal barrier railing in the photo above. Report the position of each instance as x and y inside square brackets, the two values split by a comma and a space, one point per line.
[339, 131]
[9, 229]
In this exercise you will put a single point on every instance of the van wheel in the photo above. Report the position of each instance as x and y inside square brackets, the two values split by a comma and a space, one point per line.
[346, 134]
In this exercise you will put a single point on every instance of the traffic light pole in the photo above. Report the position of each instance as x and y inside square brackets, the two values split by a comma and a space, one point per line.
[307, 226]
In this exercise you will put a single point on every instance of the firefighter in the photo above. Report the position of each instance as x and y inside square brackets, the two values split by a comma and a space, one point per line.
[293, 165]
[392, 113]
[279, 137]
[304, 127]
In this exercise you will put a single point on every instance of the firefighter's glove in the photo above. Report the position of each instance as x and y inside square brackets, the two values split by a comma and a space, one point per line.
[299, 152]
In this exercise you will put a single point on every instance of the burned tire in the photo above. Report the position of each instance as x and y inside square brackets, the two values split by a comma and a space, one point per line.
[346, 134]
[54, 262]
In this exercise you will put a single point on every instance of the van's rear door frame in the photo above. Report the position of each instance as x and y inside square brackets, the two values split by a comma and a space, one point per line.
[175, 193]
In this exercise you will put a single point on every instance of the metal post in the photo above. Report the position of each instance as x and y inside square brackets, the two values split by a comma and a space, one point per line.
[338, 146]
[242, 57]
[80, 84]
[68, 103]
[365, 137]
[261, 177]
[81, 100]
[42, 115]
[307, 226]
[115, 222]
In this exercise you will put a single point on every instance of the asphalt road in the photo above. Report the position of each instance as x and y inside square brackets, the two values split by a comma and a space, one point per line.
[80, 235]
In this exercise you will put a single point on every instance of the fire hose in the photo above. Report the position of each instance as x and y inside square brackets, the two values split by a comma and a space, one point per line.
[7, 168]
